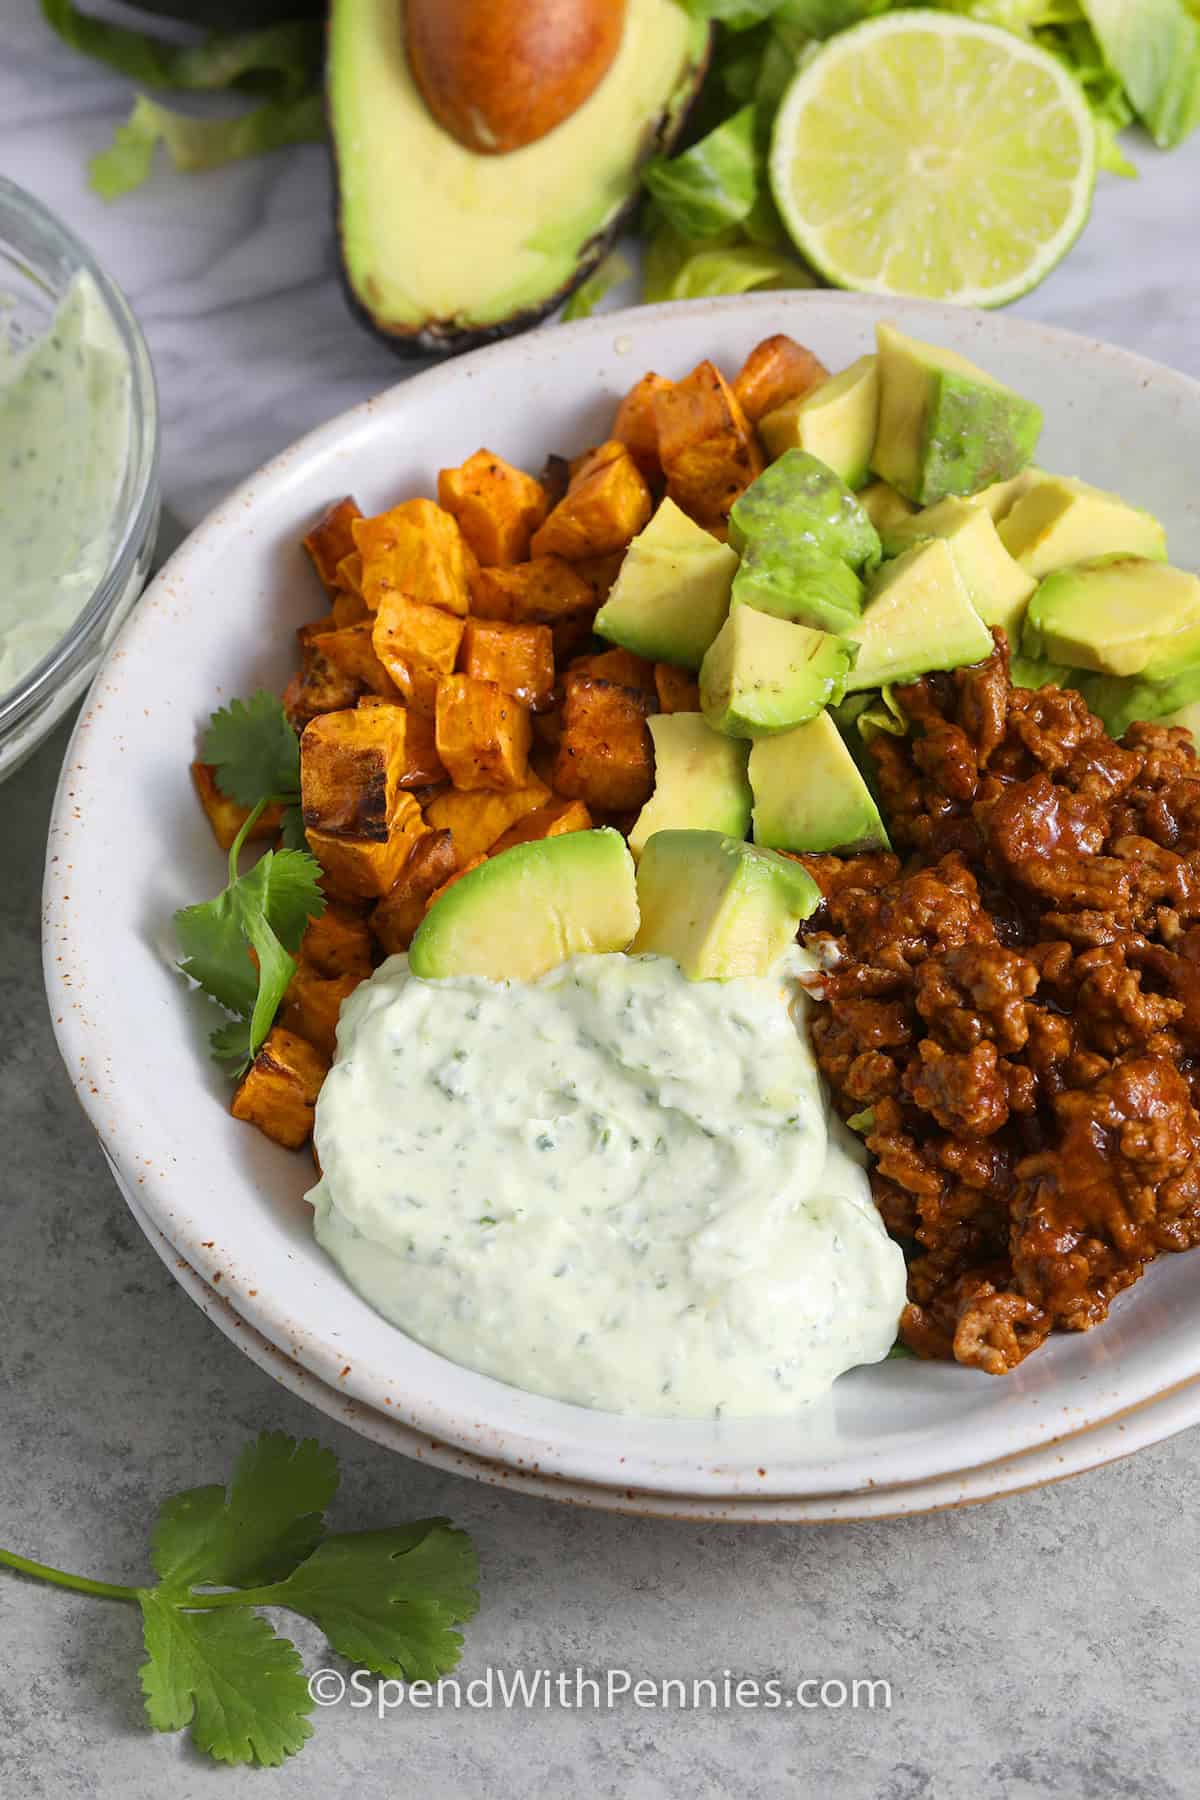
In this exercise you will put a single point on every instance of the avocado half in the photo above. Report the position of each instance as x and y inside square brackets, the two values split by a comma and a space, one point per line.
[444, 249]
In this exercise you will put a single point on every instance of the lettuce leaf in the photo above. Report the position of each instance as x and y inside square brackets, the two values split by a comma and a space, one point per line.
[1153, 46]
[194, 144]
[679, 268]
[734, 15]
[714, 184]
[609, 271]
[279, 62]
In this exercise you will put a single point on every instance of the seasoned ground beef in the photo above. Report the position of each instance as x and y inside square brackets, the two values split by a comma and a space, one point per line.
[1011, 1013]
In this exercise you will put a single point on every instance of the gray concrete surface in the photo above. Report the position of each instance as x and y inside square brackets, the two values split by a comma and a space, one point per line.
[1042, 1645]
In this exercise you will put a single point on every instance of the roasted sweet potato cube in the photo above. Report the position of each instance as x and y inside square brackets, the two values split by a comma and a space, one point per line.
[498, 508]
[606, 756]
[776, 370]
[278, 1093]
[422, 764]
[636, 425]
[352, 649]
[599, 572]
[348, 609]
[312, 1003]
[544, 591]
[457, 876]
[624, 667]
[350, 768]
[475, 820]
[483, 734]
[552, 820]
[319, 687]
[332, 538]
[418, 550]
[350, 574]
[518, 658]
[416, 643]
[225, 815]
[338, 943]
[363, 868]
[709, 451]
[395, 918]
[606, 504]
[677, 689]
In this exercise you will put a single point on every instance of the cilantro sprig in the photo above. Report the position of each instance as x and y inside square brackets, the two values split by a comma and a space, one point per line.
[388, 1600]
[256, 758]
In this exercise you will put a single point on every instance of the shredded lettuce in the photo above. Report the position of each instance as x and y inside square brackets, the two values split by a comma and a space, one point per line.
[195, 144]
[678, 268]
[714, 184]
[609, 271]
[279, 65]
[1153, 47]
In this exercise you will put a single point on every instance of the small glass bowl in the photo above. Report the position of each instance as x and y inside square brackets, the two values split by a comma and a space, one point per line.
[38, 258]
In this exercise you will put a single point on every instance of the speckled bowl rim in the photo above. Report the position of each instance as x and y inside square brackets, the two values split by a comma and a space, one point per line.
[1094, 1447]
[108, 1093]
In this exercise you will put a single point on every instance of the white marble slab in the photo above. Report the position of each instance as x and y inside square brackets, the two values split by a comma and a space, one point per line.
[234, 273]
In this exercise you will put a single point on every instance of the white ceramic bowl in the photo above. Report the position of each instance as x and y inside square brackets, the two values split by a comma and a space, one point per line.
[127, 846]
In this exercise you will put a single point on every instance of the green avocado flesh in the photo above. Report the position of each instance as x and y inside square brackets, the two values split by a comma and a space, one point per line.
[671, 594]
[946, 427]
[799, 504]
[720, 908]
[523, 912]
[998, 587]
[918, 617]
[442, 246]
[1117, 615]
[805, 586]
[809, 793]
[835, 422]
[700, 780]
[1059, 521]
[766, 674]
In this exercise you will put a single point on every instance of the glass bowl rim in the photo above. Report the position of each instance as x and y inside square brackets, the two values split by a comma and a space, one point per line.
[65, 658]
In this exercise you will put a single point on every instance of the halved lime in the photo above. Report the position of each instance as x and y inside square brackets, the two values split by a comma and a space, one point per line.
[922, 153]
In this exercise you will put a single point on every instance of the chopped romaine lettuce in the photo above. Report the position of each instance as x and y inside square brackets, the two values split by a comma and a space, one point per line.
[714, 184]
[194, 143]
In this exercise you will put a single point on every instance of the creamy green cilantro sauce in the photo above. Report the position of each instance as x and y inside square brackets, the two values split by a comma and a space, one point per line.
[64, 434]
[613, 1186]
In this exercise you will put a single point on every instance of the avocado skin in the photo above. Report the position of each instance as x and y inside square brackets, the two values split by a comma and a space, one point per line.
[446, 337]
[232, 15]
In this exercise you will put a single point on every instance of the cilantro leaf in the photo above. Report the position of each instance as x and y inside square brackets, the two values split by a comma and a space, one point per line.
[269, 1521]
[388, 1599]
[254, 750]
[215, 952]
[291, 829]
[265, 910]
[241, 1688]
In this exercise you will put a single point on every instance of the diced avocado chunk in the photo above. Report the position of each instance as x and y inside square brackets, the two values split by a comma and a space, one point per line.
[918, 617]
[671, 594]
[700, 780]
[809, 794]
[835, 421]
[1060, 521]
[945, 426]
[525, 911]
[998, 587]
[766, 674]
[884, 507]
[1117, 615]
[1120, 700]
[803, 585]
[720, 908]
[1002, 496]
[799, 502]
